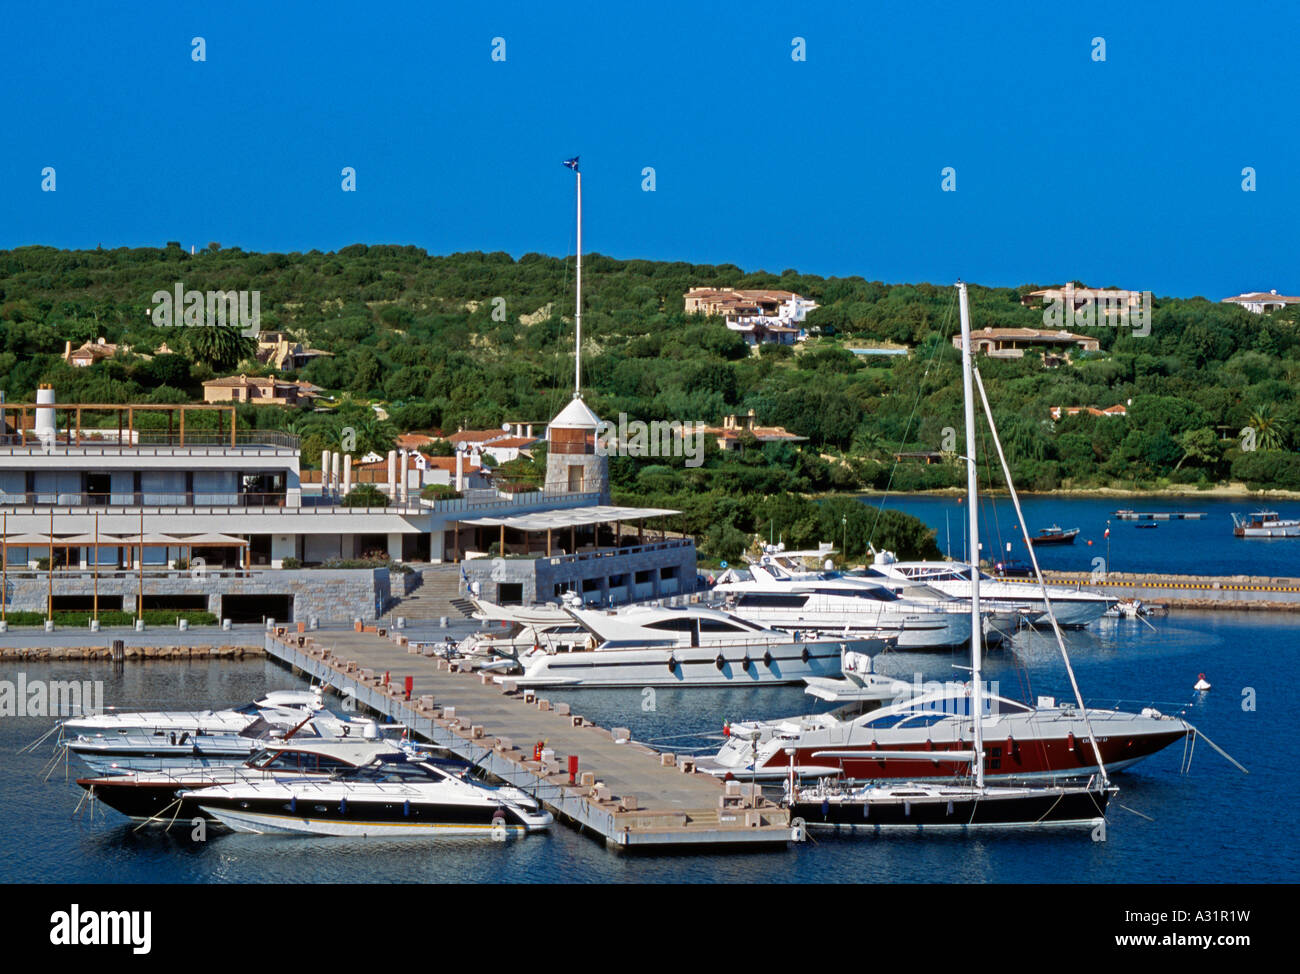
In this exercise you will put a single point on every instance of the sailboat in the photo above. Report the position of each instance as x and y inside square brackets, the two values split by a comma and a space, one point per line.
[962, 805]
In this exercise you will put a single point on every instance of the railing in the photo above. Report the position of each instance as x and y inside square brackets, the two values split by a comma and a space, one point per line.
[487, 499]
[182, 502]
[205, 442]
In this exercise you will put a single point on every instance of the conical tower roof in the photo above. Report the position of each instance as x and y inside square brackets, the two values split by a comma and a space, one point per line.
[575, 416]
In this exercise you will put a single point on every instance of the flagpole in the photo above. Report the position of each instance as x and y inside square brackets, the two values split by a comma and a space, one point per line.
[577, 315]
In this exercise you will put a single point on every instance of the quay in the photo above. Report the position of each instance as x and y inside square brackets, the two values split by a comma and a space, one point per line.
[596, 779]
[1187, 591]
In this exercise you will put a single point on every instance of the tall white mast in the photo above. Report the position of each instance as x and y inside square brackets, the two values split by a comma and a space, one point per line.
[972, 510]
[577, 315]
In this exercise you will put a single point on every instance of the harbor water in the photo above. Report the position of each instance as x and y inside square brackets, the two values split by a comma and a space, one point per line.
[1212, 824]
[1195, 547]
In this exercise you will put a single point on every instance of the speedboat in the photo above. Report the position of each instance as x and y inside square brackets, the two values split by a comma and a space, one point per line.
[1074, 608]
[162, 747]
[393, 795]
[151, 795]
[837, 606]
[642, 646]
[278, 706]
[929, 735]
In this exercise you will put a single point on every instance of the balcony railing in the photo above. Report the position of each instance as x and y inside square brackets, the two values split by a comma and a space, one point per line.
[180, 502]
[154, 442]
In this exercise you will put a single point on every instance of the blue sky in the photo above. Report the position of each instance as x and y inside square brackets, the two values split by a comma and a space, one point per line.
[1125, 173]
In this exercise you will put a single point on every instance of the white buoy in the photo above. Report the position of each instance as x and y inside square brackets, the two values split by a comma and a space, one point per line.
[1201, 683]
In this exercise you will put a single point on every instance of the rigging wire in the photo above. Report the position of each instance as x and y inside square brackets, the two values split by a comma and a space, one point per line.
[945, 326]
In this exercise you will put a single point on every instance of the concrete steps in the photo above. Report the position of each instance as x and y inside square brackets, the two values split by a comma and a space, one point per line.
[437, 595]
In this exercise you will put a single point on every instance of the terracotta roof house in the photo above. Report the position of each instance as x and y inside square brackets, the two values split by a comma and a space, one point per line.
[760, 315]
[728, 435]
[259, 390]
[1012, 342]
[91, 352]
[1261, 301]
[1116, 410]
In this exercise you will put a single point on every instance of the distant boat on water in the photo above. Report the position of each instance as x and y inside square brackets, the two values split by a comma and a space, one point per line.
[1265, 524]
[1055, 535]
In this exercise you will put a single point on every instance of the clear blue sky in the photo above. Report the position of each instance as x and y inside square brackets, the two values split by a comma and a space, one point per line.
[1126, 172]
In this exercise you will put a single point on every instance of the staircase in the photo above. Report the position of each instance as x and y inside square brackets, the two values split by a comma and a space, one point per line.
[437, 595]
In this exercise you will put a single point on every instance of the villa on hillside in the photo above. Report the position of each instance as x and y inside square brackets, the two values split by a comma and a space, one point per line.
[760, 315]
[281, 351]
[261, 391]
[1111, 299]
[1116, 410]
[728, 435]
[1012, 343]
[1261, 302]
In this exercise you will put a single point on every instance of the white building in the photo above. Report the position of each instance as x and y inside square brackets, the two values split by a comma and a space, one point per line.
[1260, 302]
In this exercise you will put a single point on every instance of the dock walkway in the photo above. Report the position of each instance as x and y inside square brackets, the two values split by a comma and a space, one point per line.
[630, 795]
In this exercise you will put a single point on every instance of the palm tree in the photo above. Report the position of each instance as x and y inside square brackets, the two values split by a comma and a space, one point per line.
[220, 347]
[1268, 428]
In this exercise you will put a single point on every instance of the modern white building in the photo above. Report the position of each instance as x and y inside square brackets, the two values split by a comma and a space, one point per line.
[101, 491]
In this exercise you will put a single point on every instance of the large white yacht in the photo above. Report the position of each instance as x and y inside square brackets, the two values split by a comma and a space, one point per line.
[1074, 608]
[832, 605]
[665, 646]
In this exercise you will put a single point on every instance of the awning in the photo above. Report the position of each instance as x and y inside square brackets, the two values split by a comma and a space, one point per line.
[211, 540]
[569, 518]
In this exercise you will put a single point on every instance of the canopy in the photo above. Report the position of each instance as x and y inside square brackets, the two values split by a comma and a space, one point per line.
[570, 517]
[211, 540]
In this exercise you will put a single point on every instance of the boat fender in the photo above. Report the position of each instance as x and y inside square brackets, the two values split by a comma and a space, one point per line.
[929, 744]
[1069, 740]
[767, 657]
[826, 807]
[804, 655]
[406, 808]
[720, 662]
[343, 806]
[672, 665]
[745, 663]
[1011, 747]
[293, 803]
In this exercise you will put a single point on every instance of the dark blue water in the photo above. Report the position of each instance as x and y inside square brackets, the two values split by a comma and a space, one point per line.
[1204, 547]
[1213, 825]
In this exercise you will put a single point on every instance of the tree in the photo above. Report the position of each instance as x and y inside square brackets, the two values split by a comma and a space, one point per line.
[219, 346]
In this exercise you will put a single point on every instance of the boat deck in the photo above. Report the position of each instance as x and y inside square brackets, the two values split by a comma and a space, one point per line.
[630, 795]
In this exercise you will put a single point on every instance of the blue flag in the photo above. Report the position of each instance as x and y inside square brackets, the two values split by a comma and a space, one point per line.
[572, 163]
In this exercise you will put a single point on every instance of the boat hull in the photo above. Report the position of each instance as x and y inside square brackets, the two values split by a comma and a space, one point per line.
[689, 666]
[958, 808]
[1026, 758]
[364, 819]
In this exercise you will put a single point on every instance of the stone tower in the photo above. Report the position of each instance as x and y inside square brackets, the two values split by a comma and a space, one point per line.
[573, 463]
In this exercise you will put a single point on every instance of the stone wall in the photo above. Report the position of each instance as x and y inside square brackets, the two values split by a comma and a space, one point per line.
[609, 575]
[329, 595]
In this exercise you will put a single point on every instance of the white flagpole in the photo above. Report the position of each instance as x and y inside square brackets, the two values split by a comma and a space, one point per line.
[577, 350]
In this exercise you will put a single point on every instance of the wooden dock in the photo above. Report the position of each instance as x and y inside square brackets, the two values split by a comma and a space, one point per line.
[633, 797]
